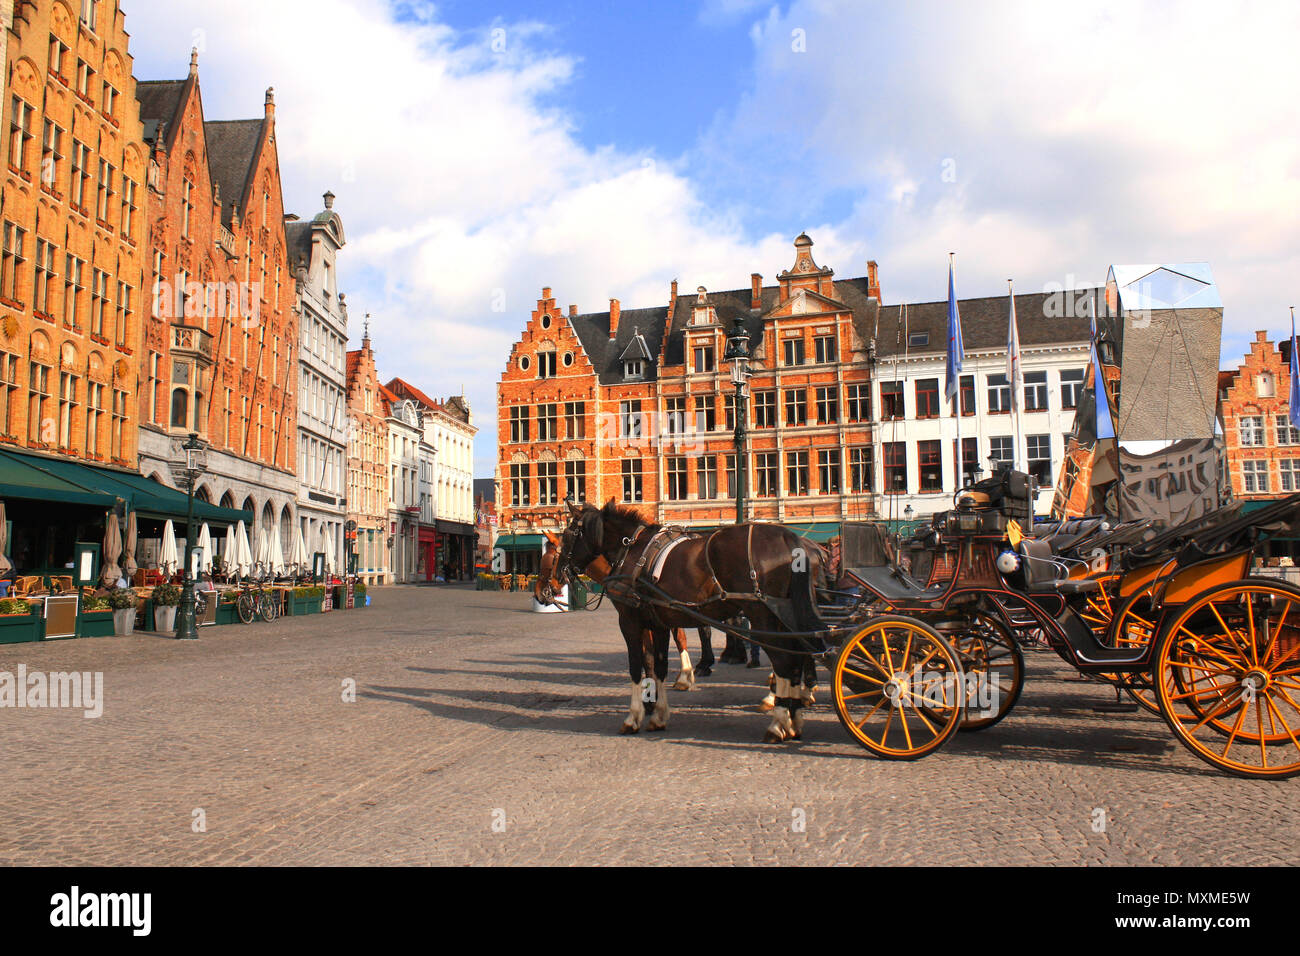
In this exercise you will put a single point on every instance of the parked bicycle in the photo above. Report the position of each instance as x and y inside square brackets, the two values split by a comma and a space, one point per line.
[256, 600]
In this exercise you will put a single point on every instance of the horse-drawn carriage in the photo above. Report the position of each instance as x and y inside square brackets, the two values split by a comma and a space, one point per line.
[1172, 617]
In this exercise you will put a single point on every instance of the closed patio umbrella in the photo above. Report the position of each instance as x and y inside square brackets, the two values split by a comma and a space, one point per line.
[275, 551]
[110, 572]
[327, 542]
[230, 552]
[5, 563]
[128, 552]
[205, 545]
[168, 560]
[243, 561]
[301, 559]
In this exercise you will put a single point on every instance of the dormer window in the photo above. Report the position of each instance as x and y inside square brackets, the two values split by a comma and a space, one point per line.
[704, 358]
[634, 368]
[918, 339]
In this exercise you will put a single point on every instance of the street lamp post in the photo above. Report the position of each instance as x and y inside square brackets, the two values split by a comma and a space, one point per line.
[195, 465]
[737, 354]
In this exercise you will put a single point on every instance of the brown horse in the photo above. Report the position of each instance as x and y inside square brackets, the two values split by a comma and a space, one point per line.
[760, 573]
[548, 586]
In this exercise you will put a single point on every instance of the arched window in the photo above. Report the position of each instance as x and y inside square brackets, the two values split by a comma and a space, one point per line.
[180, 408]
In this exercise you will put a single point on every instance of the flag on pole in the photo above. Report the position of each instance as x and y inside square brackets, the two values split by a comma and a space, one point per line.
[1293, 412]
[1105, 424]
[1015, 376]
[954, 339]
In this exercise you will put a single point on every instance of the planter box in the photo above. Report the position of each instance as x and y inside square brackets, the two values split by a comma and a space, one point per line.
[164, 617]
[95, 624]
[227, 614]
[304, 605]
[20, 628]
[124, 621]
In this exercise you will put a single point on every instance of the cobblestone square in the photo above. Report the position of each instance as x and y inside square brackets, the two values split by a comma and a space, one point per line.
[483, 733]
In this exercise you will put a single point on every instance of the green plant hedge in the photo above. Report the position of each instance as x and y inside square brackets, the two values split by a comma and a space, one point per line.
[119, 599]
[166, 595]
[15, 606]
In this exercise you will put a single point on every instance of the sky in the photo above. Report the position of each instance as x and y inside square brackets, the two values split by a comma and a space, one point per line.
[481, 150]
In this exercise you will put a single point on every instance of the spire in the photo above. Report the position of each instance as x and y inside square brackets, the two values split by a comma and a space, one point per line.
[365, 336]
[329, 199]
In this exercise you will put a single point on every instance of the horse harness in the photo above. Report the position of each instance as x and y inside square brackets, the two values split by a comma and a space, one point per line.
[655, 554]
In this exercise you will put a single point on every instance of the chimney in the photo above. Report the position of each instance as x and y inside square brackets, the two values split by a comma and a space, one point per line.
[755, 291]
[194, 61]
[614, 312]
[270, 102]
[546, 293]
[873, 279]
[573, 311]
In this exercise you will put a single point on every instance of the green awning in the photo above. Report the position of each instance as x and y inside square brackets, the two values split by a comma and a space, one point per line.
[103, 486]
[22, 476]
[521, 542]
[818, 531]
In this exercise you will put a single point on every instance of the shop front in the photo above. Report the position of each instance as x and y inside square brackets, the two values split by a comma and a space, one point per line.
[428, 551]
[455, 550]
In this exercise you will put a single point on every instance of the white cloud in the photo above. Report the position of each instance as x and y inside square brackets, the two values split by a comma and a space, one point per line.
[1033, 139]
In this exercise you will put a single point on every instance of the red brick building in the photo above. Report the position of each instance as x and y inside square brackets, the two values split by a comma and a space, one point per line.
[637, 405]
[1262, 447]
[367, 465]
[220, 335]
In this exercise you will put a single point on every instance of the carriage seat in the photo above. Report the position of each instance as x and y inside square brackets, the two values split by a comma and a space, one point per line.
[1042, 574]
[894, 584]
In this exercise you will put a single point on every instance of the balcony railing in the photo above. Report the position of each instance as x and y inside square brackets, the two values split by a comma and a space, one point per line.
[190, 340]
[226, 240]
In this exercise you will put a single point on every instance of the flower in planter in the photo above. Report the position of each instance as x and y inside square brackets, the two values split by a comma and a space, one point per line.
[14, 606]
[166, 595]
[95, 604]
[120, 599]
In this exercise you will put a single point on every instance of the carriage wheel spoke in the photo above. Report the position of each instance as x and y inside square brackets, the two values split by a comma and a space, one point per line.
[1272, 638]
[1236, 728]
[1273, 709]
[1197, 640]
[902, 717]
[1259, 723]
[1210, 692]
[871, 713]
[1229, 633]
[927, 723]
[874, 680]
[907, 652]
[889, 658]
[888, 720]
[859, 649]
[865, 693]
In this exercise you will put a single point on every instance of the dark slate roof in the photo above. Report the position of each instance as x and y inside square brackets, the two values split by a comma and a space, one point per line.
[593, 332]
[297, 238]
[232, 148]
[984, 322]
[159, 101]
[727, 305]
[487, 487]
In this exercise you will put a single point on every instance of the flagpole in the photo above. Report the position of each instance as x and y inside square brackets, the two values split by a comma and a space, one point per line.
[957, 398]
[1013, 336]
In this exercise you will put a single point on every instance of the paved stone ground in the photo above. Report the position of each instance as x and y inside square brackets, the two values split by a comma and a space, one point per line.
[471, 709]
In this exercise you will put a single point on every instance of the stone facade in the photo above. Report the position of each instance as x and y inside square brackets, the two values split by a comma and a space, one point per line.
[221, 334]
[367, 466]
[322, 376]
[1262, 448]
[405, 438]
[74, 233]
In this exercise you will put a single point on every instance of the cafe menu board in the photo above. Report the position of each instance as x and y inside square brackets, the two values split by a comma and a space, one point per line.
[327, 603]
[351, 599]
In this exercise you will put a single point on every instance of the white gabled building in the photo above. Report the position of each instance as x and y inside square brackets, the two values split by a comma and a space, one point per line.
[313, 248]
[915, 438]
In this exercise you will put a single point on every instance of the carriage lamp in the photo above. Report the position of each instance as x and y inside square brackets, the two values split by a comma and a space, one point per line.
[737, 353]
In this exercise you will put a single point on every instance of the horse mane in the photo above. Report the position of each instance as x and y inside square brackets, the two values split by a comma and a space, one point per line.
[613, 511]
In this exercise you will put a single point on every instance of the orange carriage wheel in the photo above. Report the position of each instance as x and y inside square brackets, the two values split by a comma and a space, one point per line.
[1134, 627]
[994, 668]
[1227, 677]
[899, 688]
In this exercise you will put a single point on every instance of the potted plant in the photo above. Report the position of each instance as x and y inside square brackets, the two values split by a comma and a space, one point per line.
[359, 598]
[96, 618]
[18, 622]
[122, 601]
[166, 597]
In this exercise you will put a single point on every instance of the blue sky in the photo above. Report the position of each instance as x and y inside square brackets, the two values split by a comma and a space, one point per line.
[482, 150]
